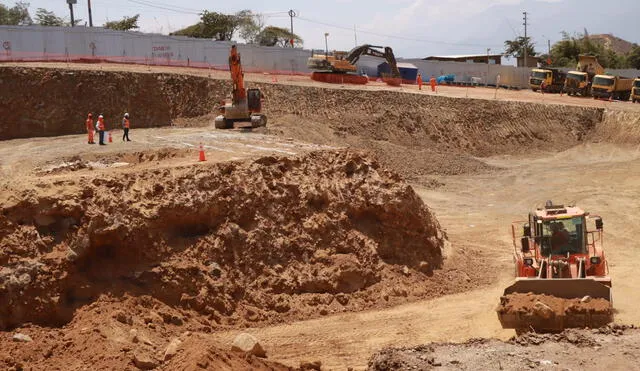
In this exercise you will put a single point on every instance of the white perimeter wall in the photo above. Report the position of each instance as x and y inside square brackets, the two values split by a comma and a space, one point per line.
[54, 43]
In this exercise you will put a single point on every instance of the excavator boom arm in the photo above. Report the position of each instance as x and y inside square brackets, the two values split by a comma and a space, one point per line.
[237, 76]
[372, 50]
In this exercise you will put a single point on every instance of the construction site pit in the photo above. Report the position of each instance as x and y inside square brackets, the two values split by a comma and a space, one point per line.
[362, 228]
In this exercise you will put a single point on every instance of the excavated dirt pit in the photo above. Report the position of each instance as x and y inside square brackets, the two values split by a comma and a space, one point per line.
[108, 257]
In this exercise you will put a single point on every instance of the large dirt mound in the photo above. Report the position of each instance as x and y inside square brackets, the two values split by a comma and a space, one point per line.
[238, 242]
[612, 347]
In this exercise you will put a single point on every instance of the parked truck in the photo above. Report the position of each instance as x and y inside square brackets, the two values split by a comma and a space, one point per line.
[580, 80]
[635, 93]
[549, 80]
[611, 87]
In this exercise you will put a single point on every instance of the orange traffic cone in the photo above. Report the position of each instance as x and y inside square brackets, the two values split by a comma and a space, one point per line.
[110, 138]
[202, 158]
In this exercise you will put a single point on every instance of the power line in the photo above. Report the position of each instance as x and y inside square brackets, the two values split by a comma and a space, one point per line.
[350, 29]
[183, 10]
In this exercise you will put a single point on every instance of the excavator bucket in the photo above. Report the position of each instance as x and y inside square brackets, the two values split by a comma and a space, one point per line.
[551, 305]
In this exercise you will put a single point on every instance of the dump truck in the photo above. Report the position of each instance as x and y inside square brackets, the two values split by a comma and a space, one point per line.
[579, 82]
[635, 93]
[611, 87]
[558, 253]
[549, 80]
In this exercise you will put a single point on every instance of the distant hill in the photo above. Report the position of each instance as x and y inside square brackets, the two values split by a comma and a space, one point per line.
[614, 43]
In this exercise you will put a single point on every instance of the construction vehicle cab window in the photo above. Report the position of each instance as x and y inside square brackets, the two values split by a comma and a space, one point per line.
[602, 80]
[577, 76]
[539, 74]
[560, 237]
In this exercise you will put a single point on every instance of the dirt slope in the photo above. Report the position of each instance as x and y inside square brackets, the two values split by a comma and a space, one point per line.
[46, 102]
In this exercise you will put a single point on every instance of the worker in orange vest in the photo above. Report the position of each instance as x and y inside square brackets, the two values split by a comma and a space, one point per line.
[90, 128]
[419, 82]
[125, 126]
[100, 128]
[432, 82]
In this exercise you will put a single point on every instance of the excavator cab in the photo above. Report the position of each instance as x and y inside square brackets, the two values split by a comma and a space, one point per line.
[254, 100]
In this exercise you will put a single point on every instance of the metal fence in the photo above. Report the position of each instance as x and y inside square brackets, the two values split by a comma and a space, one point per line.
[35, 43]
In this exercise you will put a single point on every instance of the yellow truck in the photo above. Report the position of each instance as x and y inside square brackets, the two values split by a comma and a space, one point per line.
[579, 82]
[635, 94]
[611, 87]
[549, 80]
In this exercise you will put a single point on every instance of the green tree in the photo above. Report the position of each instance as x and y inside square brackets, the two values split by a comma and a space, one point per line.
[126, 24]
[515, 48]
[18, 15]
[47, 18]
[219, 26]
[277, 36]
[249, 25]
[565, 52]
[633, 58]
[196, 30]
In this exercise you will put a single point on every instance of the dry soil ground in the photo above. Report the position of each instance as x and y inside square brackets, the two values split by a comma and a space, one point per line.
[597, 168]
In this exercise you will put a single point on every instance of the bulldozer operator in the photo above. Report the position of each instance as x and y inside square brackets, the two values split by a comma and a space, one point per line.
[560, 238]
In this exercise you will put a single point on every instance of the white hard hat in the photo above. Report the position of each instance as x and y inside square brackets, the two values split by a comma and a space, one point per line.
[126, 115]
[100, 117]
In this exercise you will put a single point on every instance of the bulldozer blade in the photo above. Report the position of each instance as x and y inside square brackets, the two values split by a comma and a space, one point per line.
[566, 288]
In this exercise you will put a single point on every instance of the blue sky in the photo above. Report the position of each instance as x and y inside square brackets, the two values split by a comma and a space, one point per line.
[414, 28]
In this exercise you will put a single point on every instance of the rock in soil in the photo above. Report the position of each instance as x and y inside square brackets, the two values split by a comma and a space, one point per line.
[248, 344]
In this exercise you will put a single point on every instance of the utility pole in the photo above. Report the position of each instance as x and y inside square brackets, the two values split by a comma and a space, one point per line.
[526, 41]
[292, 14]
[355, 34]
[487, 82]
[90, 17]
[71, 2]
[326, 46]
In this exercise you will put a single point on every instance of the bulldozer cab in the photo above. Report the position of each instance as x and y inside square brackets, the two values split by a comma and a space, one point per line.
[561, 236]
[254, 100]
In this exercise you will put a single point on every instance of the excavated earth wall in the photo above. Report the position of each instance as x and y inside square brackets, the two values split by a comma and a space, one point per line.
[48, 102]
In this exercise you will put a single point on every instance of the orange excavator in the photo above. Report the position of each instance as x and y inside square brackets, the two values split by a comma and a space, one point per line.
[560, 255]
[245, 104]
[340, 67]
